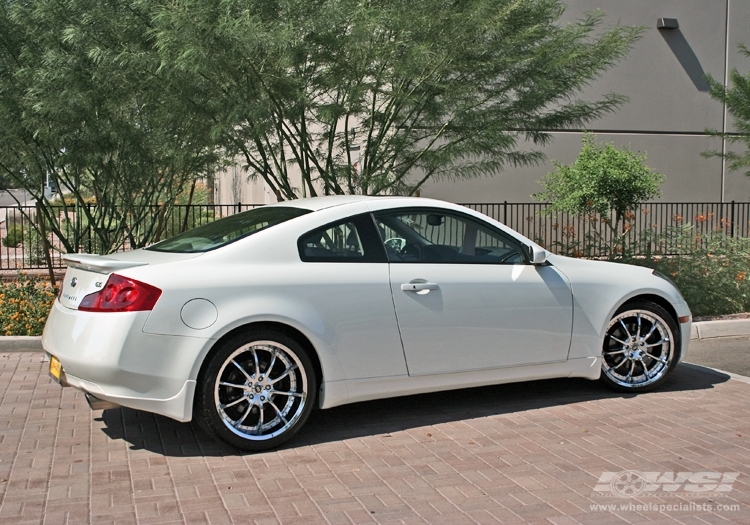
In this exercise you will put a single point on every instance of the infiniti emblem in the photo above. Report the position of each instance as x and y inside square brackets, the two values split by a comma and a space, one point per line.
[74, 282]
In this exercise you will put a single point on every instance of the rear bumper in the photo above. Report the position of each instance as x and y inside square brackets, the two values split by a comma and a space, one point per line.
[109, 356]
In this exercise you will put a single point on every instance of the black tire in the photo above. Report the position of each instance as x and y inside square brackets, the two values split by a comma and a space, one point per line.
[256, 390]
[641, 347]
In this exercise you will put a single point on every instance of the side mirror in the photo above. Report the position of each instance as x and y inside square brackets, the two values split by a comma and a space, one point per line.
[537, 255]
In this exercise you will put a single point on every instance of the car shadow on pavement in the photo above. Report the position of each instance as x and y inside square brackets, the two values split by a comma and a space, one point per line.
[165, 436]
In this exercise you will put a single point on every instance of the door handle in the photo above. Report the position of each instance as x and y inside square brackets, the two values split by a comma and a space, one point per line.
[419, 287]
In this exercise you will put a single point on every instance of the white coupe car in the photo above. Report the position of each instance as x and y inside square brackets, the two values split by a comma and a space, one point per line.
[249, 322]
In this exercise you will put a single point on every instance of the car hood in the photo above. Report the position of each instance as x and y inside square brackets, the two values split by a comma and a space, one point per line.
[628, 278]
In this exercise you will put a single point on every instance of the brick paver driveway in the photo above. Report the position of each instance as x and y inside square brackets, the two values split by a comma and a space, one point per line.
[545, 452]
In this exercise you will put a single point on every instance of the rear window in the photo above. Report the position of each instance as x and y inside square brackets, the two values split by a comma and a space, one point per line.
[227, 230]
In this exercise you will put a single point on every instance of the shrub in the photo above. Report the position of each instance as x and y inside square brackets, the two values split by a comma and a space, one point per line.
[604, 178]
[70, 200]
[14, 237]
[714, 278]
[605, 184]
[24, 305]
[34, 248]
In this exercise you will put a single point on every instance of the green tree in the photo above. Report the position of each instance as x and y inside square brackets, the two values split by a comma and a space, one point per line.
[737, 101]
[83, 103]
[425, 89]
[604, 180]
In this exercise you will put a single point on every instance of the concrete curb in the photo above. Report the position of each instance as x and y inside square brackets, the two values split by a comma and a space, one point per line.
[700, 330]
[726, 328]
[21, 343]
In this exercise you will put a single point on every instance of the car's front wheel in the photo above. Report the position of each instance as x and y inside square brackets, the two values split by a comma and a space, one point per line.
[641, 346]
[256, 390]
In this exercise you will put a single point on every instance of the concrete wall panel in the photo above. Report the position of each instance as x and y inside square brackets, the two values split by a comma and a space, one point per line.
[689, 176]
[739, 33]
[737, 183]
[663, 74]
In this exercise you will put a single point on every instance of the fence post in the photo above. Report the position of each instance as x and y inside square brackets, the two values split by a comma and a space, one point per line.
[239, 207]
[505, 213]
[731, 224]
[90, 233]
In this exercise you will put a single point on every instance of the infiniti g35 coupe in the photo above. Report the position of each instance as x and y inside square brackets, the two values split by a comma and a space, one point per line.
[249, 322]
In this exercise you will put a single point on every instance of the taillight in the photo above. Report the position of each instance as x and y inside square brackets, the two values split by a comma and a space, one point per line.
[121, 294]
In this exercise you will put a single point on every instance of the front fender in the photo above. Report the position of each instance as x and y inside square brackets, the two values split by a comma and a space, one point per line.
[601, 288]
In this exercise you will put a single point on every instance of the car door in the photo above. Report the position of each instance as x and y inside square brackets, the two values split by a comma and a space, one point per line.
[343, 277]
[466, 297]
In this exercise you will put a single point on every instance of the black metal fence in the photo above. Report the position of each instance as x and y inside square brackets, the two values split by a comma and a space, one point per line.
[23, 248]
[643, 229]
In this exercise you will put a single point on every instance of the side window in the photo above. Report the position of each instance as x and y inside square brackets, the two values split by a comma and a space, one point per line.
[351, 240]
[433, 236]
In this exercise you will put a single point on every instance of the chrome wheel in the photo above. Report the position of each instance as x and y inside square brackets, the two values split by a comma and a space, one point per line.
[257, 391]
[260, 391]
[639, 347]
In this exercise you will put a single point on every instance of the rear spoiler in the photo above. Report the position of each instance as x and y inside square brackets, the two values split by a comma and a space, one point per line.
[98, 263]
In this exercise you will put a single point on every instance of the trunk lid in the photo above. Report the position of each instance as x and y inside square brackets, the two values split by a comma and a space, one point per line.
[88, 273]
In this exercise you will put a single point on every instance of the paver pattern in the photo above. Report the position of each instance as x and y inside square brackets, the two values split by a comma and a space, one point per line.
[529, 452]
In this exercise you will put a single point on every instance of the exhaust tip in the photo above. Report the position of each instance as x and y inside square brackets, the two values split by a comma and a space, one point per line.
[99, 404]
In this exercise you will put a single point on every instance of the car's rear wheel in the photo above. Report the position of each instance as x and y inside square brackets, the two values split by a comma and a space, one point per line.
[256, 390]
[641, 347]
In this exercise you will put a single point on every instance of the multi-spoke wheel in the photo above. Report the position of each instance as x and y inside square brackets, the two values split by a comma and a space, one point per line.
[257, 390]
[641, 346]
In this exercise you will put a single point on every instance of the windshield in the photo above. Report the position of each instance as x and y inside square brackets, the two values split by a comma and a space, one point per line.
[225, 231]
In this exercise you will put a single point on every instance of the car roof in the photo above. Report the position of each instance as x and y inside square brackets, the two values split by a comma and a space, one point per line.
[328, 201]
